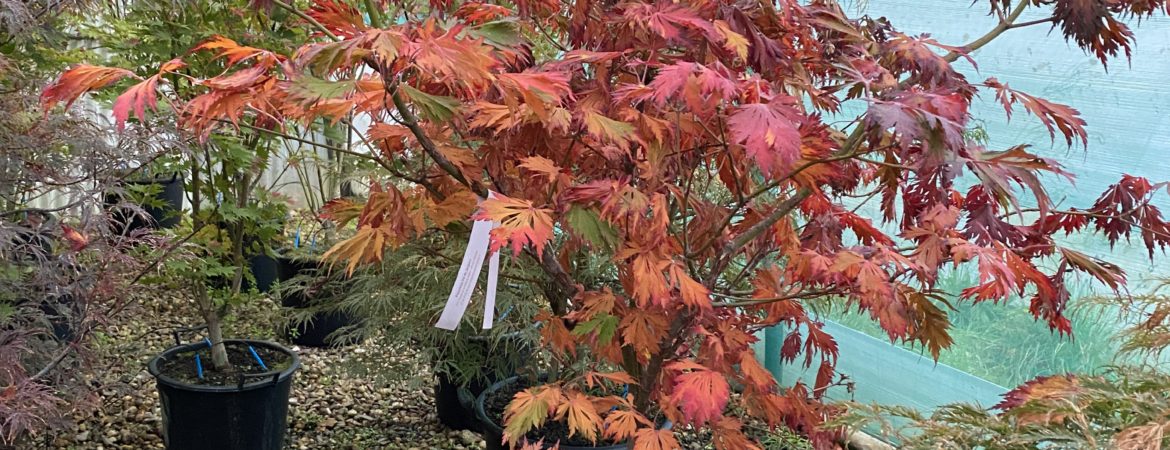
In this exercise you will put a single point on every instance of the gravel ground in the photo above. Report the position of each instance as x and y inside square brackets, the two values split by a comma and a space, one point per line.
[338, 401]
[355, 397]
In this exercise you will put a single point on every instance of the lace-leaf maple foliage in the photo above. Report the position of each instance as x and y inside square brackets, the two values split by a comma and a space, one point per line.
[687, 142]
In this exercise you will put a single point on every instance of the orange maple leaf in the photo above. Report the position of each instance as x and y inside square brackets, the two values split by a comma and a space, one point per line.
[593, 303]
[529, 409]
[753, 372]
[651, 439]
[727, 435]
[643, 330]
[621, 424]
[693, 293]
[543, 166]
[555, 334]
[77, 81]
[521, 223]
[77, 240]
[582, 416]
[231, 51]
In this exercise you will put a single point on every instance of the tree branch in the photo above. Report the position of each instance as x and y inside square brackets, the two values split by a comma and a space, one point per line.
[306, 18]
[410, 121]
[1004, 25]
[1031, 22]
[781, 211]
[741, 301]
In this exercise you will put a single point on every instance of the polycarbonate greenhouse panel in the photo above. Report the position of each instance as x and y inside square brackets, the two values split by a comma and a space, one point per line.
[1127, 108]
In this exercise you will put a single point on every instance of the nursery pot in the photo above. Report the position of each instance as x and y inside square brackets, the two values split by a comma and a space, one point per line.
[250, 414]
[63, 311]
[316, 332]
[455, 404]
[165, 216]
[493, 432]
[264, 270]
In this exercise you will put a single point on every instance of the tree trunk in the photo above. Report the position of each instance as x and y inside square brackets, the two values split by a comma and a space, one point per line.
[219, 359]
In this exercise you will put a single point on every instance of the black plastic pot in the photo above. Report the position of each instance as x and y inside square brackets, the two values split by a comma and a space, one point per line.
[63, 312]
[251, 415]
[170, 195]
[317, 331]
[455, 404]
[264, 270]
[493, 433]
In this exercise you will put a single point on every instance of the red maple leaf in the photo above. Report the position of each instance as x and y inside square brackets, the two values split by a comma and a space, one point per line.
[701, 393]
[769, 131]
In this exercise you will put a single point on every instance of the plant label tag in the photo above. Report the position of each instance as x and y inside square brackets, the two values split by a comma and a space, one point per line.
[489, 297]
[465, 281]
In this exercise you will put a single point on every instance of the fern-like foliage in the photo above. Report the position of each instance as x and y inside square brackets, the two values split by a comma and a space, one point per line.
[399, 300]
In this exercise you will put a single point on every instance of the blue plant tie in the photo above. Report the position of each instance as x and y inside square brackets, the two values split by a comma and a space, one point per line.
[505, 314]
[208, 342]
[198, 366]
[258, 360]
[297, 239]
[625, 391]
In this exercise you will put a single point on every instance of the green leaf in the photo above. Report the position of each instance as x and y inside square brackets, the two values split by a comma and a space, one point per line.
[499, 33]
[587, 224]
[435, 108]
[312, 88]
[603, 324]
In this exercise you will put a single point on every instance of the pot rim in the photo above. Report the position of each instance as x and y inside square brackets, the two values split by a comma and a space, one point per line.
[263, 380]
[163, 179]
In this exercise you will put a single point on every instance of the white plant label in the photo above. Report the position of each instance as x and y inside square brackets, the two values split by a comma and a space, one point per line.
[489, 297]
[466, 279]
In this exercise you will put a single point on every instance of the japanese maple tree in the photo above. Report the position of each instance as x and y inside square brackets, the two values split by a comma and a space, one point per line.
[687, 145]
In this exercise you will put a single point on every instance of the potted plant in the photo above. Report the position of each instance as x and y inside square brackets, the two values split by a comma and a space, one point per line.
[671, 170]
[237, 387]
[217, 392]
[159, 198]
[401, 297]
[59, 276]
[312, 292]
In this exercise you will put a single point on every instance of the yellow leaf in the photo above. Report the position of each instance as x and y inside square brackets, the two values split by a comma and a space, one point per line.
[732, 41]
[609, 130]
[621, 424]
[527, 410]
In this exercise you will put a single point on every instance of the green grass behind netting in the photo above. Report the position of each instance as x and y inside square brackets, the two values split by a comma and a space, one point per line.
[1004, 344]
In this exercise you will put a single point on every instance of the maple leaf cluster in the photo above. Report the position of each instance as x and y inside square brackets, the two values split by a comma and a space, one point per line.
[686, 144]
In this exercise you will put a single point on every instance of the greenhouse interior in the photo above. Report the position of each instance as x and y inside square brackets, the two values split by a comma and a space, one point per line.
[584, 224]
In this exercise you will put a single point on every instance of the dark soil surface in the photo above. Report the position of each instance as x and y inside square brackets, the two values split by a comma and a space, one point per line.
[553, 431]
[182, 366]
